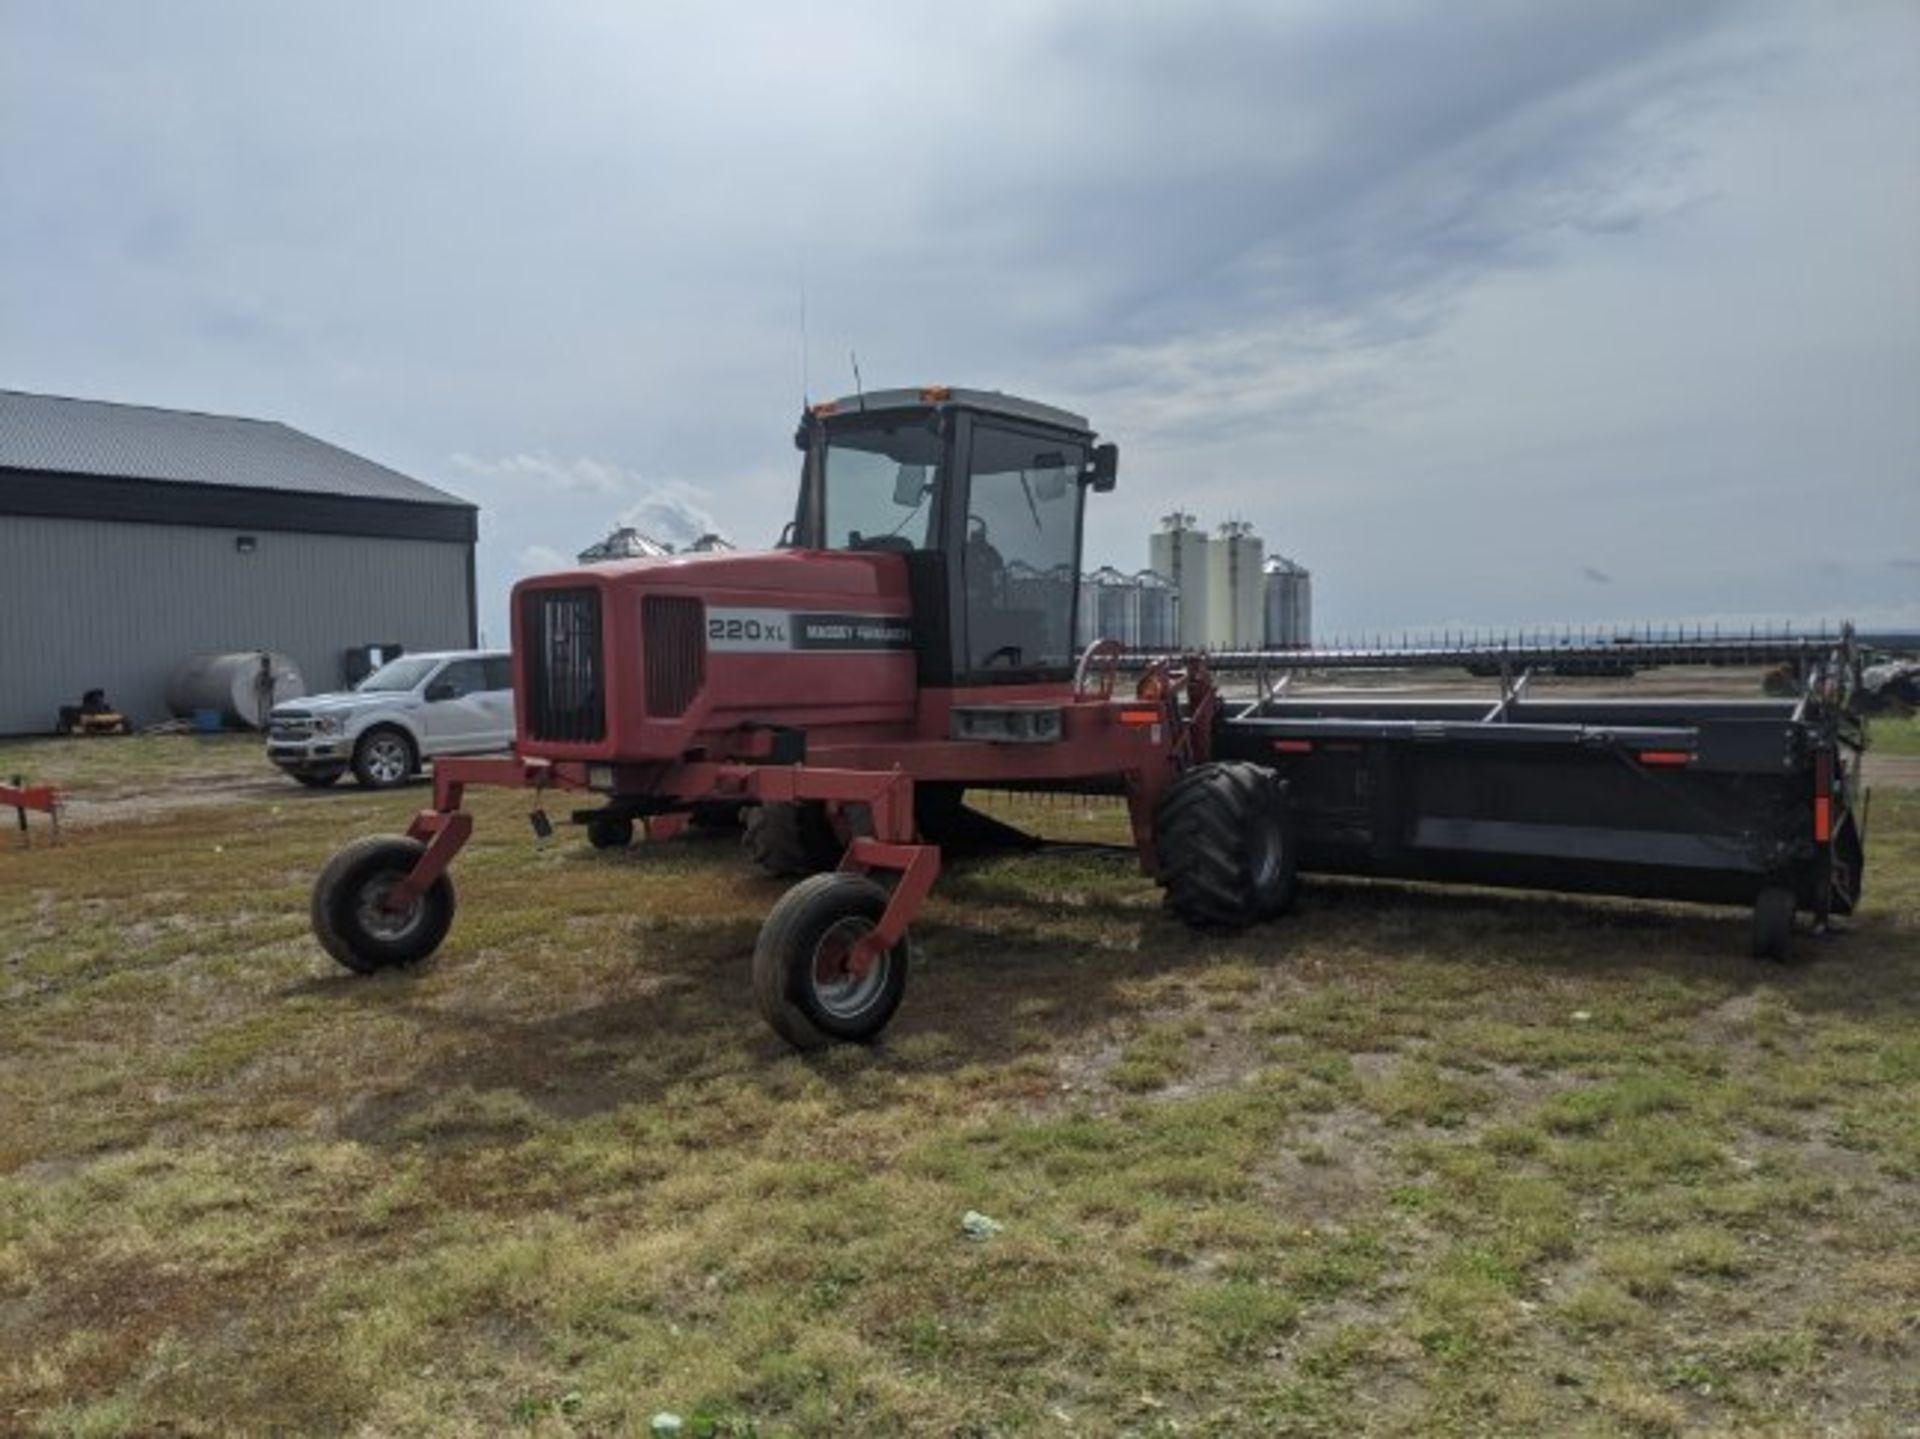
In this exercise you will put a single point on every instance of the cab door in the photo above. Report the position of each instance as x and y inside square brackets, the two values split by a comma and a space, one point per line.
[1014, 552]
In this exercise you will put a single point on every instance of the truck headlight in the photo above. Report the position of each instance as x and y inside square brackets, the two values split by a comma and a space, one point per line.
[322, 725]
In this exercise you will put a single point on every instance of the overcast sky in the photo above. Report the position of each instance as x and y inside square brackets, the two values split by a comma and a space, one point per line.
[1487, 312]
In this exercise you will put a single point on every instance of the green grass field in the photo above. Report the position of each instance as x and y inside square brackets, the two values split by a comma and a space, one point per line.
[1409, 1161]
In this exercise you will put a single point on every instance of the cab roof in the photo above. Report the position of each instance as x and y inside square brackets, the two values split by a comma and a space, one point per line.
[992, 402]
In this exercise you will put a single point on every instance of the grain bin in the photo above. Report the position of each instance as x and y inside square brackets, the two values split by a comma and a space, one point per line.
[1289, 605]
[1117, 606]
[242, 688]
[1159, 611]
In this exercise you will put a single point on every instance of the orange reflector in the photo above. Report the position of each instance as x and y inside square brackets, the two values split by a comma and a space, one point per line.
[935, 394]
[1293, 746]
[1665, 756]
[1822, 818]
[825, 408]
[1139, 717]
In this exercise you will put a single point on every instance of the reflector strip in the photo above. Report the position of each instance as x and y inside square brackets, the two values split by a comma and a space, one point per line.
[1823, 797]
[1665, 756]
[1293, 746]
[1139, 717]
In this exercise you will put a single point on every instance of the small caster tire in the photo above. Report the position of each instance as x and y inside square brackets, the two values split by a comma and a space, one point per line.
[610, 831]
[355, 928]
[801, 981]
[1773, 924]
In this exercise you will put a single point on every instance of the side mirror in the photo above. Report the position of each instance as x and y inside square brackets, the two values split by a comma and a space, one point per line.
[440, 690]
[1103, 470]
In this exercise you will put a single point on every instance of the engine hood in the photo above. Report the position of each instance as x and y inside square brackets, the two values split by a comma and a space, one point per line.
[840, 574]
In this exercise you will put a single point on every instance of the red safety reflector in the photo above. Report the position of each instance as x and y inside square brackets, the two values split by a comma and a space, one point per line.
[1293, 746]
[1823, 797]
[1140, 717]
[1665, 756]
[825, 408]
[935, 394]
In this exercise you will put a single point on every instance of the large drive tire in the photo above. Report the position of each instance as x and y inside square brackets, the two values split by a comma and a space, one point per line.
[792, 839]
[384, 758]
[1225, 845]
[1773, 924]
[610, 831]
[317, 778]
[800, 979]
[349, 921]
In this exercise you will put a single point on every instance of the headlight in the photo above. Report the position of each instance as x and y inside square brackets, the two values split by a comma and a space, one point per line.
[322, 725]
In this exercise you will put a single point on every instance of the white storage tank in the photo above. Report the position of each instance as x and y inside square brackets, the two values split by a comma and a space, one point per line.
[242, 687]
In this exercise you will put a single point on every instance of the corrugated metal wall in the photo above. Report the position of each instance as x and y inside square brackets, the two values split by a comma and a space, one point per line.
[86, 603]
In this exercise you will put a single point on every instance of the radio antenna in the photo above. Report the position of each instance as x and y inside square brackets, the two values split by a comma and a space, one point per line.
[806, 384]
[859, 390]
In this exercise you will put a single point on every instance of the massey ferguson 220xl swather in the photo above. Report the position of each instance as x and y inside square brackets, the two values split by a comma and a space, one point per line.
[915, 639]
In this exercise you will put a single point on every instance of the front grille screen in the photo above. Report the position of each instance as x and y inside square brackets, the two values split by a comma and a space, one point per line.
[566, 696]
[673, 634]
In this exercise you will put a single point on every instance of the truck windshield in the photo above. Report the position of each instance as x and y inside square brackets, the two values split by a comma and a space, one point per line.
[879, 491]
[401, 674]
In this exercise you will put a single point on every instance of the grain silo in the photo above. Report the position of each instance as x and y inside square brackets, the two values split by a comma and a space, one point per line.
[1233, 588]
[1288, 604]
[1159, 611]
[1179, 552]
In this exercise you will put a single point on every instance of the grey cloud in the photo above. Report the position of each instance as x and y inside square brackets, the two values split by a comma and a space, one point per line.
[1441, 296]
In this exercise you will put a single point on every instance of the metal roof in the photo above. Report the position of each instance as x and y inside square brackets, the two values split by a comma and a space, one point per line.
[992, 401]
[53, 434]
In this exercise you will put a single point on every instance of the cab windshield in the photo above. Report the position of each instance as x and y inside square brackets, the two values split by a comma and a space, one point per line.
[401, 674]
[879, 484]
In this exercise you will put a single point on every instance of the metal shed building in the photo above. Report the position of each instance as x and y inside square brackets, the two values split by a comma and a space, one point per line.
[132, 539]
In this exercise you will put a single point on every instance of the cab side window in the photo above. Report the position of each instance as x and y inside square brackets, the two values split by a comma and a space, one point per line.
[499, 672]
[460, 679]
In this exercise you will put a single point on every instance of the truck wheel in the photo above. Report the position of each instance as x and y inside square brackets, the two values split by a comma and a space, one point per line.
[792, 839]
[383, 759]
[1225, 845]
[610, 831]
[1773, 924]
[318, 778]
[800, 977]
[350, 920]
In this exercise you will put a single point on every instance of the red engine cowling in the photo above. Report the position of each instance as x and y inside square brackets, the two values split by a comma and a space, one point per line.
[648, 659]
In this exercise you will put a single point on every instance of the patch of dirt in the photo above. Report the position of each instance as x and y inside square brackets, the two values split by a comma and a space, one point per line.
[1329, 1170]
[83, 813]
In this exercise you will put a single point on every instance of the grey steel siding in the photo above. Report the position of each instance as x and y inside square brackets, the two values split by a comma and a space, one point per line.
[119, 605]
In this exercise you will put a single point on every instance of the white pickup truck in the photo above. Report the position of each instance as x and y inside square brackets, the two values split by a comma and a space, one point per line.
[408, 711]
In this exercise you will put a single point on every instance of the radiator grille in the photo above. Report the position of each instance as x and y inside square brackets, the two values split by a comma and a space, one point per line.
[566, 697]
[673, 636]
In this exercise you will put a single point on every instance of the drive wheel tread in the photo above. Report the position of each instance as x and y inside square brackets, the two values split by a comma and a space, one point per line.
[791, 839]
[1225, 845]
